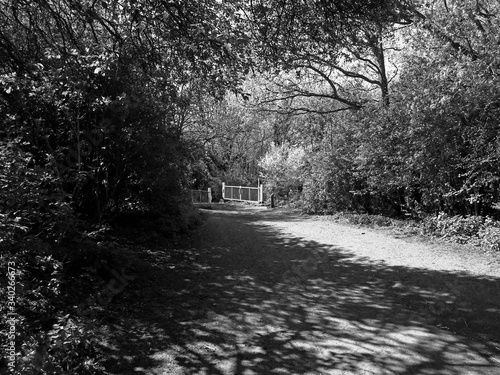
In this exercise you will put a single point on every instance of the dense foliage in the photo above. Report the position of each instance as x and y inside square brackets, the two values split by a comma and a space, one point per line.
[421, 132]
[96, 92]
[94, 103]
[110, 111]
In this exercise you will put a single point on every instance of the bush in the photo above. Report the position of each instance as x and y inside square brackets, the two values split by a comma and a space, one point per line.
[474, 230]
[459, 229]
[282, 167]
[489, 235]
[31, 203]
[43, 342]
[471, 230]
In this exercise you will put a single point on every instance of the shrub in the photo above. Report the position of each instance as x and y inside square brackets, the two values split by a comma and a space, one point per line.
[282, 167]
[473, 230]
[461, 229]
[489, 235]
[31, 202]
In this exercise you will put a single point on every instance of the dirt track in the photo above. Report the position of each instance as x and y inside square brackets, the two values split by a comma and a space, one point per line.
[257, 291]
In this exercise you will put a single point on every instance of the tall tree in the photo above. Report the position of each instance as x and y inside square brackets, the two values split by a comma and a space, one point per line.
[330, 50]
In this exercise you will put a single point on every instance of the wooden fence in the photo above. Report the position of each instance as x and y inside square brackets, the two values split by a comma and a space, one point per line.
[243, 193]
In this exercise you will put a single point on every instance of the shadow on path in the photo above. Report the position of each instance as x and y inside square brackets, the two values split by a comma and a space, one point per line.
[243, 298]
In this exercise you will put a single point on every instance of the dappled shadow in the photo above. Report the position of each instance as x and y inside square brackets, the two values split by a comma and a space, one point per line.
[244, 298]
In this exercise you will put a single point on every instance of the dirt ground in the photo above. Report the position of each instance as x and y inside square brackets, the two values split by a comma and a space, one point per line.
[259, 291]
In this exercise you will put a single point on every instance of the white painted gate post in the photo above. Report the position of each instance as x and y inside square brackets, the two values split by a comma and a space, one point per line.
[210, 195]
[223, 190]
[261, 194]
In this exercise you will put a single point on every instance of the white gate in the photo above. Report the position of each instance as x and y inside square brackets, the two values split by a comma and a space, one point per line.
[243, 193]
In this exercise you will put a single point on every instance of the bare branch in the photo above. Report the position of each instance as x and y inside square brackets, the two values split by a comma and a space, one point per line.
[395, 73]
[324, 76]
[298, 111]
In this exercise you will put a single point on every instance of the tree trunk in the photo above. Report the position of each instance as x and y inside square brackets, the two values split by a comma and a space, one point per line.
[378, 52]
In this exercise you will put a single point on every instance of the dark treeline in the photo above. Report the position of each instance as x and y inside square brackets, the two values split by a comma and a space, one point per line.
[94, 100]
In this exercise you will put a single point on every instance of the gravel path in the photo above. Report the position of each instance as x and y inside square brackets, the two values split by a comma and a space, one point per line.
[257, 291]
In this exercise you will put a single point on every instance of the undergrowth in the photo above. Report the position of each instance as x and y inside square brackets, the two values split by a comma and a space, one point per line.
[60, 290]
[478, 231]
[473, 230]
